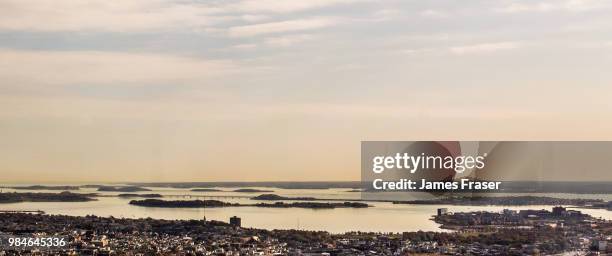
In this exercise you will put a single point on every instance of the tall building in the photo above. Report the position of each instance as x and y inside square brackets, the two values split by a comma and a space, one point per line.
[235, 221]
[602, 246]
[559, 210]
[442, 211]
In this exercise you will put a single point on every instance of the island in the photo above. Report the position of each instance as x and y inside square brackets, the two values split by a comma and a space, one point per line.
[65, 196]
[206, 190]
[215, 203]
[600, 205]
[91, 186]
[180, 203]
[279, 184]
[274, 197]
[140, 195]
[313, 205]
[122, 189]
[41, 187]
[251, 190]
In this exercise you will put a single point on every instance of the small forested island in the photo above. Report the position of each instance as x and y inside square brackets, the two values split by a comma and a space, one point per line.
[206, 190]
[601, 205]
[65, 196]
[41, 187]
[181, 203]
[140, 195]
[505, 200]
[215, 203]
[122, 189]
[273, 197]
[273, 184]
[314, 205]
[251, 190]
[91, 186]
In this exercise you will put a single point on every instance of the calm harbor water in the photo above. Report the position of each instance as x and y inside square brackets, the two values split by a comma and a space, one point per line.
[382, 217]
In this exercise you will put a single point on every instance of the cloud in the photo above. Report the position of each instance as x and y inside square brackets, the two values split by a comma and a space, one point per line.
[244, 46]
[434, 14]
[556, 5]
[254, 17]
[285, 41]
[100, 15]
[140, 15]
[418, 51]
[281, 27]
[594, 45]
[284, 6]
[94, 67]
[463, 49]
[483, 48]
[386, 14]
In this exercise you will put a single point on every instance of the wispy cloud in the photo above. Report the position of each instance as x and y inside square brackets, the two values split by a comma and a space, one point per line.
[285, 41]
[418, 51]
[276, 6]
[434, 14]
[478, 48]
[100, 15]
[141, 15]
[282, 26]
[244, 46]
[555, 5]
[95, 67]
[386, 14]
[484, 48]
[254, 17]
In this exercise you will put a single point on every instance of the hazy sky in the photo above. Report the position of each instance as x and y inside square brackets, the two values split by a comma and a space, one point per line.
[286, 90]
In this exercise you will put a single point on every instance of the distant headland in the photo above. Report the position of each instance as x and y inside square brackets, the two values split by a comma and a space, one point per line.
[216, 203]
[45, 197]
[122, 189]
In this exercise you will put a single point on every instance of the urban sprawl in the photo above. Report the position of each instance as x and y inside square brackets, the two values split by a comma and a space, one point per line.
[525, 232]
